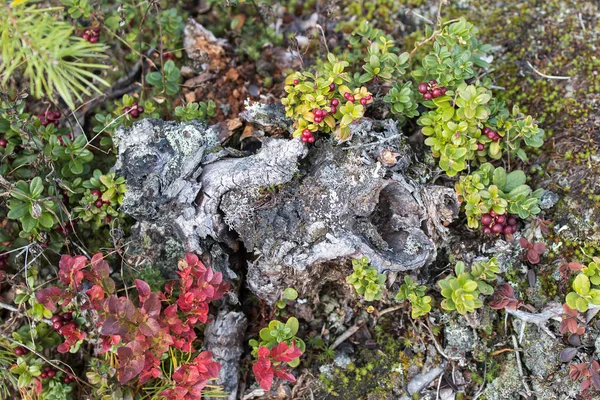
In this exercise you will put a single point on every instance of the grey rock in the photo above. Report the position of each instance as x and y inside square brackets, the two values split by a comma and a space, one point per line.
[224, 337]
[548, 200]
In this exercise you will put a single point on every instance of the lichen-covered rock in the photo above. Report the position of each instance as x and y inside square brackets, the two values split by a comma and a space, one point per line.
[459, 337]
[540, 352]
[507, 384]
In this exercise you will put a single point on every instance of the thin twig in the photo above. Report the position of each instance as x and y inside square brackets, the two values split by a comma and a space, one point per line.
[342, 338]
[546, 76]
[324, 38]
[520, 366]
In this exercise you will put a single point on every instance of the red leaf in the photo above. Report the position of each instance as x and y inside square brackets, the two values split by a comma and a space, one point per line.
[575, 266]
[498, 304]
[263, 372]
[48, 297]
[569, 311]
[540, 248]
[567, 354]
[524, 243]
[143, 289]
[584, 385]
[112, 326]
[285, 353]
[150, 327]
[131, 361]
[533, 256]
[263, 352]
[285, 375]
[152, 305]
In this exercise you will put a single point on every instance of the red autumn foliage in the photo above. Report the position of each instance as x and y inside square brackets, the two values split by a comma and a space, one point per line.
[588, 372]
[504, 297]
[570, 322]
[191, 378]
[534, 251]
[270, 364]
[145, 329]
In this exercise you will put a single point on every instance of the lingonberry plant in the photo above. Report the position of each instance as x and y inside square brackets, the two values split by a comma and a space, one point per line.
[143, 336]
[278, 349]
[461, 292]
[415, 294]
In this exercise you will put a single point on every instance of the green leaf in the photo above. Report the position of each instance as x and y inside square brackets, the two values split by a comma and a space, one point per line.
[18, 211]
[581, 284]
[290, 294]
[36, 187]
[155, 79]
[514, 179]
[293, 325]
[29, 223]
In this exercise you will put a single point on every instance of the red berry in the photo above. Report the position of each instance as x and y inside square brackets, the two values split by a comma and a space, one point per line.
[436, 93]
[304, 139]
[96, 193]
[56, 318]
[433, 82]
[333, 110]
[107, 219]
[97, 29]
[140, 109]
[47, 368]
[514, 228]
[68, 315]
[444, 90]
[496, 138]
[3, 264]
[423, 88]
[44, 375]
[487, 230]
[497, 228]
[427, 96]
[490, 134]
[351, 99]
[480, 146]
[501, 219]
[346, 95]
[94, 39]
[3, 142]
[512, 221]
[369, 97]
[306, 133]
[508, 230]
[296, 81]
[85, 36]
[51, 373]
[318, 119]
[315, 112]
[56, 115]
[486, 130]
[134, 113]
[61, 141]
[310, 139]
[98, 203]
[57, 325]
[106, 201]
[19, 351]
[363, 101]
[486, 219]
[335, 102]
[493, 213]
[332, 87]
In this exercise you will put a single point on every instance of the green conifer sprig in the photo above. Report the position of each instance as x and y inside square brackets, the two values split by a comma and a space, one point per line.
[42, 46]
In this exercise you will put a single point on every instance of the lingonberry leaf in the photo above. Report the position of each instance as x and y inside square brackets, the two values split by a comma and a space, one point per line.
[568, 354]
[531, 278]
[112, 326]
[524, 243]
[575, 266]
[595, 378]
[585, 385]
[131, 361]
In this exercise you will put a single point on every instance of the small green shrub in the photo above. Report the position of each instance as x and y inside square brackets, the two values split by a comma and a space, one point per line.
[365, 280]
[586, 287]
[461, 292]
[200, 111]
[415, 294]
[490, 188]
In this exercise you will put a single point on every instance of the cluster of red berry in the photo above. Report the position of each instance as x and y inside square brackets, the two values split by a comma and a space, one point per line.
[307, 136]
[69, 379]
[21, 351]
[431, 90]
[491, 134]
[62, 320]
[49, 117]
[92, 35]
[48, 373]
[134, 110]
[99, 202]
[497, 223]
